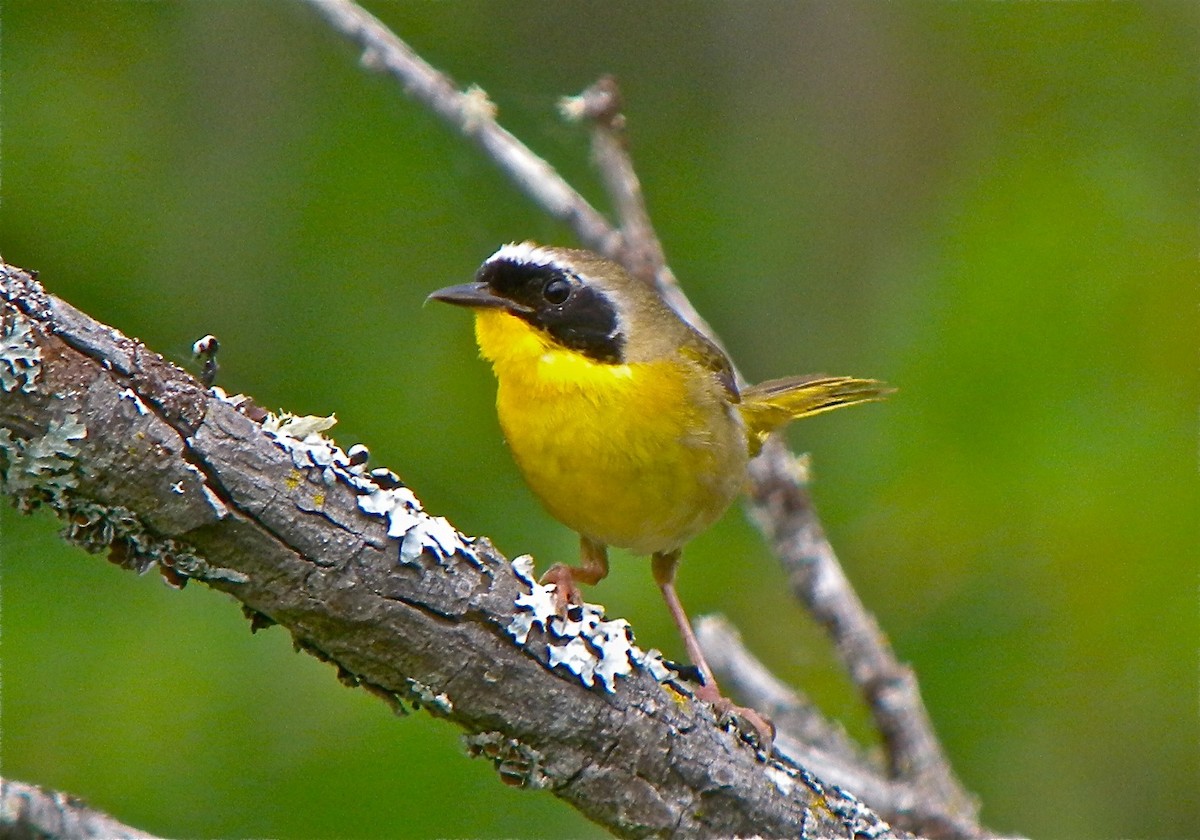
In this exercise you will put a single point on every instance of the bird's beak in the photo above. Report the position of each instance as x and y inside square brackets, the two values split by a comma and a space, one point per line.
[476, 295]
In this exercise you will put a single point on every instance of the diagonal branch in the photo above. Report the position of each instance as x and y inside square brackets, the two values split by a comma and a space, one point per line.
[914, 802]
[642, 254]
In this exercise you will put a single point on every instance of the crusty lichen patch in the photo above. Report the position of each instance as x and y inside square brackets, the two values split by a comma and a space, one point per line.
[40, 469]
[43, 470]
[20, 356]
[582, 640]
[380, 492]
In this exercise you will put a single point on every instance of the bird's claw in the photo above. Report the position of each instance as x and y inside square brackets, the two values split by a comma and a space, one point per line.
[761, 727]
[566, 591]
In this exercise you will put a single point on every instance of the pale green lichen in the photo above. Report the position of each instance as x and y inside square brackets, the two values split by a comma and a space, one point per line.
[20, 356]
[95, 528]
[40, 469]
[518, 764]
[43, 471]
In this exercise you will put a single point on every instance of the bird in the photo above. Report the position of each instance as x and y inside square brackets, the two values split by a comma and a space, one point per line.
[626, 422]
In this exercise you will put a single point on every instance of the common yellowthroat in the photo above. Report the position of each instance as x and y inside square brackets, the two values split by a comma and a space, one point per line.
[626, 422]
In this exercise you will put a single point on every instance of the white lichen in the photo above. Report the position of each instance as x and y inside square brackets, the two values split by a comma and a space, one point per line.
[380, 492]
[299, 426]
[652, 660]
[129, 394]
[580, 639]
[523, 568]
[781, 778]
[417, 531]
[534, 609]
[576, 657]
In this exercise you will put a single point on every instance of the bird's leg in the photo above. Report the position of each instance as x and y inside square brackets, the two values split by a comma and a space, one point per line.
[663, 565]
[592, 568]
[664, 575]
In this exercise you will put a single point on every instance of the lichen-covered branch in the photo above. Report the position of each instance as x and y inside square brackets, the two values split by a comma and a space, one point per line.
[143, 463]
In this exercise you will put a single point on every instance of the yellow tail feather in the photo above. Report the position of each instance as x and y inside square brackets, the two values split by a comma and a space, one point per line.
[772, 404]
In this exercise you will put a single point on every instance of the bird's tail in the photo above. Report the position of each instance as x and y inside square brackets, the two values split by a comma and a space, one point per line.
[772, 404]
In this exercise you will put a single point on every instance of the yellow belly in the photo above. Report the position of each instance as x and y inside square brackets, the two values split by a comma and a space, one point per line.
[641, 456]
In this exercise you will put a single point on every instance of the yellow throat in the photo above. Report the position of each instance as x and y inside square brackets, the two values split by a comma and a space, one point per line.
[640, 455]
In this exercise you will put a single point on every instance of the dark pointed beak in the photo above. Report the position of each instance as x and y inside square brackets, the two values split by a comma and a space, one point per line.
[476, 295]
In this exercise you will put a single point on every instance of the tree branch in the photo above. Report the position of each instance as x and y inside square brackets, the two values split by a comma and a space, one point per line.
[783, 509]
[808, 738]
[470, 114]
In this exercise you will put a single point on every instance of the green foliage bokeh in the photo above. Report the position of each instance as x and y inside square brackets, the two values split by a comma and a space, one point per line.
[992, 206]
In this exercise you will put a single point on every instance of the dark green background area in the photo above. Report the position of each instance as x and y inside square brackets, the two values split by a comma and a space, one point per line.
[992, 206]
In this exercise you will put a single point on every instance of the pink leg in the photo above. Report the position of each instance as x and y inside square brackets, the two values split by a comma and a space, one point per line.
[664, 574]
[592, 568]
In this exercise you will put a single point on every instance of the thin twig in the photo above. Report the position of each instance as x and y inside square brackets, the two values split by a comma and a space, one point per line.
[600, 106]
[794, 714]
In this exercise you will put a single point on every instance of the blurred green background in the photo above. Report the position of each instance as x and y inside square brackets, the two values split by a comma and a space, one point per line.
[992, 206]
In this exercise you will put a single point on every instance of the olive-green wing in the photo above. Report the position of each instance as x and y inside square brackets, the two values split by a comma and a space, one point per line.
[698, 348]
[772, 404]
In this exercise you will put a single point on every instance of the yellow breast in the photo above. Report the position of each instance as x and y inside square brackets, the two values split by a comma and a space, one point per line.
[642, 456]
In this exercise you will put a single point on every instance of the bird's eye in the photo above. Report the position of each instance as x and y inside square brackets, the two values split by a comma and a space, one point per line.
[557, 290]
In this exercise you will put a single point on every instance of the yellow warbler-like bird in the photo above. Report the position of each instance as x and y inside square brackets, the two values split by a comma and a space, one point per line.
[625, 421]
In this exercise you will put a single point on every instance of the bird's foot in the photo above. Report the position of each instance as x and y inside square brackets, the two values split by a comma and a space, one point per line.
[763, 728]
[566, 590]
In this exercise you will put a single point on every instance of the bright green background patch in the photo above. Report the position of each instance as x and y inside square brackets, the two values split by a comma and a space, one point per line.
[992, 206]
